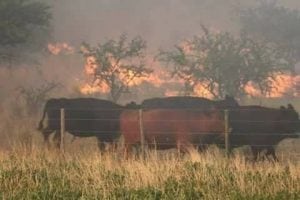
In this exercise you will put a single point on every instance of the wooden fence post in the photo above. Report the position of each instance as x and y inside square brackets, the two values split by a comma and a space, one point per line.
[62, 129]
[142, 131]
[226, 131]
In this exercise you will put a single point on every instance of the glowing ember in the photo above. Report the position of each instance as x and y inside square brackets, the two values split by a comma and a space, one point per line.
[90, 65]
[170, 93]
[58, 48]
[201, 91]
[157, 79]
[297, 86]
[88, 89]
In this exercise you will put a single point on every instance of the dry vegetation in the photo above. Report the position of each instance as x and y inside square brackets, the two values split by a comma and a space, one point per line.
[33, 173]
[28, 171]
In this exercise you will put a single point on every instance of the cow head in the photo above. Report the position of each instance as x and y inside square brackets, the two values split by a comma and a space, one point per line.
[52, 114]
[294, 115]
[291, 117]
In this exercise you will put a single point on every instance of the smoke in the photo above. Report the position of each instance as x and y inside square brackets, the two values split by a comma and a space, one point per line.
[161, 23]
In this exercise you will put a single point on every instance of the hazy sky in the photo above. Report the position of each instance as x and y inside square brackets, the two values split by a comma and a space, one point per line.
[160, 22]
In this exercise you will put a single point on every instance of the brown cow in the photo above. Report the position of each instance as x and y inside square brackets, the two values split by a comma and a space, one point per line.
[171, 128]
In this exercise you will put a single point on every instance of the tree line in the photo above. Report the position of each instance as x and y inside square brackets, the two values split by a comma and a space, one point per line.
[268, 44]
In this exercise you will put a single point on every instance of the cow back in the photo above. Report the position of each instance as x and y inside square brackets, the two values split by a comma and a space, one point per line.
[165, 128]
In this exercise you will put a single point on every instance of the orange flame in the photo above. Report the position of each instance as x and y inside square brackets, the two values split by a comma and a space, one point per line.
[59, 48]
[90, 65]
[98, 86]
[282, 85]
[201, 91]
[88, 89]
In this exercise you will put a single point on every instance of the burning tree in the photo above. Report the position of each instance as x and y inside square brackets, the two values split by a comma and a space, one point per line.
[116, 64]
[223, 64]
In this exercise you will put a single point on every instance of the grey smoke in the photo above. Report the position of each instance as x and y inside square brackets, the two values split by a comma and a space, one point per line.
[161, 22]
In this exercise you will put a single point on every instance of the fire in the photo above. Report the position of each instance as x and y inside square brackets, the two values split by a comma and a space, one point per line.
[297, 86]
[170, 93]
[126, 77]
[282, 85]
[58, 48]
[201, 91]
[93, 88]
[156, 79]
[90, 65]
[98, 86]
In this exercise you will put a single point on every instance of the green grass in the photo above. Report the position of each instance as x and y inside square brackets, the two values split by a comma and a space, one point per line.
[37, 174]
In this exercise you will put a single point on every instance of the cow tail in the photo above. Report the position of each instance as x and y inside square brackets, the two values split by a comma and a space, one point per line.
[40, 127]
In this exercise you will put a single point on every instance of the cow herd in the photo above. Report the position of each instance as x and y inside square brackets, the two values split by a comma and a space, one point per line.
[173, 122]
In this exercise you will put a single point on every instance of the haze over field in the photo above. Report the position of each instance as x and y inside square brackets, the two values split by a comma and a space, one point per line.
[162, 24]
[132, 50]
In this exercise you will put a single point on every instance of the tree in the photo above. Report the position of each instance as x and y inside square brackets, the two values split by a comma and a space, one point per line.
[223, 64]
[116, 64]
[33, 98]
[274, 24]
[24, 28]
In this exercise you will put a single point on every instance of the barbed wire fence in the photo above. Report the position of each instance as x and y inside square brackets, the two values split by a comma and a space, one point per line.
[143, 143]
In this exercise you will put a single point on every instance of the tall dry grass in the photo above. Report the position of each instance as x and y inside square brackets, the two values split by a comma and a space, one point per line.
[35, 173]
[28, 171]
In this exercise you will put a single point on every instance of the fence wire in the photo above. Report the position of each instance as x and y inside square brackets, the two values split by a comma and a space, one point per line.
[173, 138]
[246, 134]
[175, 120]
[146, 109]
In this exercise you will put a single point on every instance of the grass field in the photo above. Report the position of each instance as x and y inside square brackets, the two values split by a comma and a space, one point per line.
[33, 173]
[28, 171]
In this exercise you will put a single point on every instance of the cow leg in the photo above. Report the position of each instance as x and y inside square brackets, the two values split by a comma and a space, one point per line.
[183, 147]
[127, 150]
[255, 151]
[101, 146]
[179, 148]
[113, 147]
[73, 139]
[201, 148]
[46, 135]
[271, 151]
[56, 139]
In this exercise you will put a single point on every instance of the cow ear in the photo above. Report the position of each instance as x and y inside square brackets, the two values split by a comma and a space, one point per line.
[290, 107]
[282, 108]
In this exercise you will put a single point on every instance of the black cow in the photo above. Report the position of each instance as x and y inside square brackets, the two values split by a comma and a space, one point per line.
[84, 117]
[188, 102]
[262, 128]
